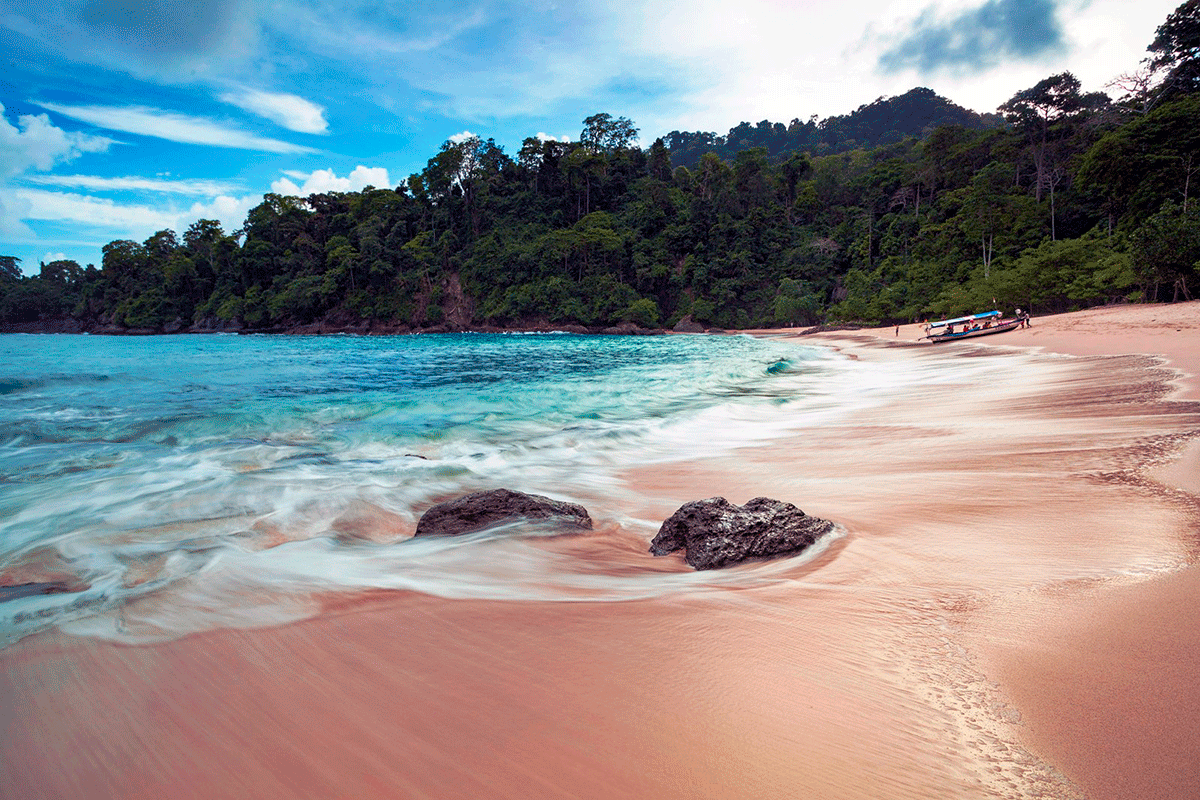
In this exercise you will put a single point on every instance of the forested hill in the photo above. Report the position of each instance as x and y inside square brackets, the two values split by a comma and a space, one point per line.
[1076, 200]
[888, 120]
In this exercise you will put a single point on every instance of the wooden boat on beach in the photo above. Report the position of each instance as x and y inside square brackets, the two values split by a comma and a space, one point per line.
[968, 327]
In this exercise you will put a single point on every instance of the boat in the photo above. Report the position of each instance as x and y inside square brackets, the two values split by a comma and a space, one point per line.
[968, 327]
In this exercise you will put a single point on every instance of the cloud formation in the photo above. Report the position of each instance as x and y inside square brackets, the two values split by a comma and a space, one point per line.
[977, 39]
[134, 220]
[292, 112]
[173, 127]
[93, 211]
[325, 180]
[12, 210]
[35, 143]
[175, 39]
[200, 188]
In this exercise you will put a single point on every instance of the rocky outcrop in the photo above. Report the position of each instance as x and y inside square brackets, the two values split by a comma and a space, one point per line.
[688, 325]
[716, 533]
[474, 512]
[630, 329]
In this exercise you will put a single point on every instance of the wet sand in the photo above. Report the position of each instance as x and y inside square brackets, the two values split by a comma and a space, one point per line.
[1106, 675]
[1008, 614]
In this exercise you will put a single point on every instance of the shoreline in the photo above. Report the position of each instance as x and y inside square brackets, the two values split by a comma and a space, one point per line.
[1105, 676]
[324, 328]
[932, 652]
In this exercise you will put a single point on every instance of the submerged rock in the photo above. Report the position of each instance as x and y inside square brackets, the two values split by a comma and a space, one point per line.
[716, 533]
[42, 567]
[20, 590]
[474, 512]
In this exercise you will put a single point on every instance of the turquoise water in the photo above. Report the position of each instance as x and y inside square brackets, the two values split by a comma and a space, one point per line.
[188, 482]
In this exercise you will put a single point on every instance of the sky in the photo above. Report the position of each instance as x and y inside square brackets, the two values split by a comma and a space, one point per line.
[122, 118]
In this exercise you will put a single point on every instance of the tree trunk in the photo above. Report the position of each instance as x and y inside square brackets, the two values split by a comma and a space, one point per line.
[1040, 161]
[1053, 232]
[1187, 179]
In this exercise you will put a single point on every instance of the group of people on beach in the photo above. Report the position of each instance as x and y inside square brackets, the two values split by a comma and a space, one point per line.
[969, 325]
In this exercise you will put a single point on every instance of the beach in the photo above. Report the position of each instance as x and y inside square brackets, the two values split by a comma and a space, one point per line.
[1008, 612]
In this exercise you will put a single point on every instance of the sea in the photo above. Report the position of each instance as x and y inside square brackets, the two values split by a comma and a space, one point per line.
[158, 486]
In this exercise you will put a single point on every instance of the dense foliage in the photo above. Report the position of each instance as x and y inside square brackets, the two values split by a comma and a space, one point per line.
[888, 214]
[888, 120]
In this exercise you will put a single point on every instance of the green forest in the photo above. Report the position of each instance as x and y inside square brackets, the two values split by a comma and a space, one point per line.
[908, 208]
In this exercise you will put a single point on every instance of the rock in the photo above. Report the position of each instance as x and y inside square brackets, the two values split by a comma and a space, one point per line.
[621, 329]
[716, 533]
[42, 567]
[688, 325]
[21, 590]
[474, 512]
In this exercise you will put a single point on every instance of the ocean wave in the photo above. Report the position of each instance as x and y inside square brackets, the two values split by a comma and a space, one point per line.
[229, 467]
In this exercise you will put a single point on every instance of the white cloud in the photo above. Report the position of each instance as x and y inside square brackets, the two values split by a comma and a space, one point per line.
[229, 211]
[13, 209]
[292, 112]
[93, 211]
[129, 220]
[204, 188]
[325, 180]
[545, 137]
[37, 144]
[176, 40]
[50, 257]
[173, 127]
[775, 60]
[462, 136]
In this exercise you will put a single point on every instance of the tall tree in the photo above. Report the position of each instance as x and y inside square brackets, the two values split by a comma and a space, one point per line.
[658, 161]
[10, 268]
[1035, 110]
[602, 133]
[1176, 50]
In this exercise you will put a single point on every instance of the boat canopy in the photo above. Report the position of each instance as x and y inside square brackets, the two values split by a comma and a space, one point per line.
[957, 320]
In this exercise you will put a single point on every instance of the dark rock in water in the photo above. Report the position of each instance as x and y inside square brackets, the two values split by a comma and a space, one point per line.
[34, 589]
[716, 533]
[621, 329]
[474, 512]
[688, 325]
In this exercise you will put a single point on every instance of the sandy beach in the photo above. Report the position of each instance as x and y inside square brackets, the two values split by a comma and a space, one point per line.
[1010, 613]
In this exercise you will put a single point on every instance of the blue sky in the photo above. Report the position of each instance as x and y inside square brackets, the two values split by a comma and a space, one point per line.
[121, 118]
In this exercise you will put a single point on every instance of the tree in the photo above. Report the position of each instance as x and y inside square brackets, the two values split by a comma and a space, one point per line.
[795, 168]
[1166, 249]
[658, 161]
[603, 134]
[1036, 109]
[711, 175]
[9, 268]
[62, 272]
[1176, 50]
[1153, 158]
